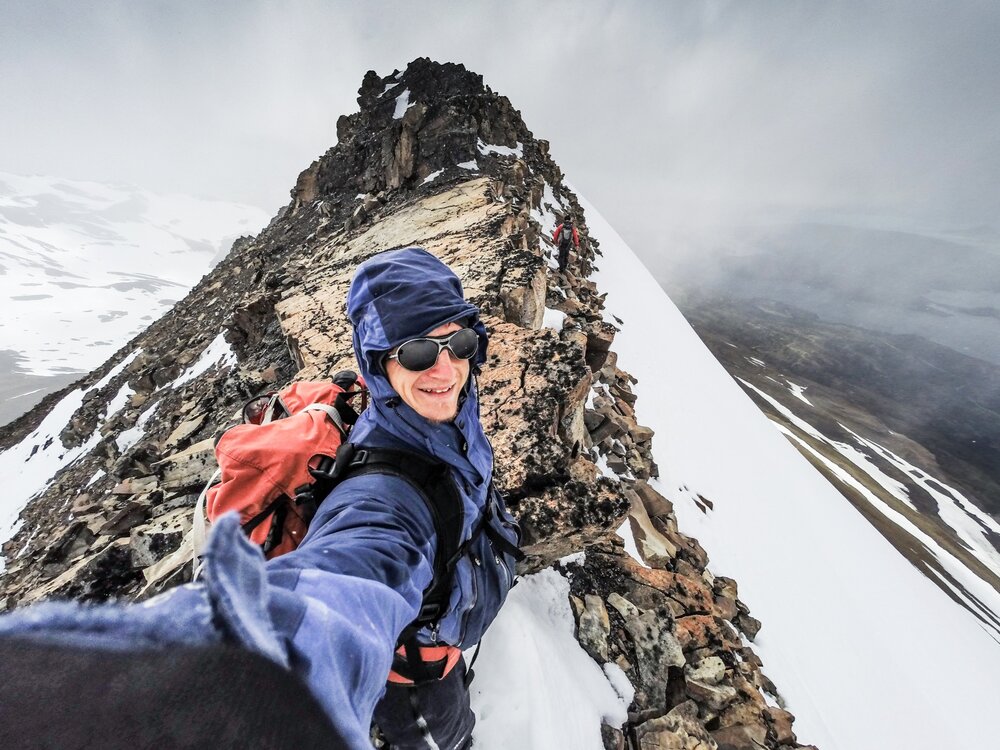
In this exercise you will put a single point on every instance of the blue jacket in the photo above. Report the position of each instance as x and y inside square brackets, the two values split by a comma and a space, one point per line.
[332, 609]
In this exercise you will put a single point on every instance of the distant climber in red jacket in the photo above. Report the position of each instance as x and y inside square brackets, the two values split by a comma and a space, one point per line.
[564, 235]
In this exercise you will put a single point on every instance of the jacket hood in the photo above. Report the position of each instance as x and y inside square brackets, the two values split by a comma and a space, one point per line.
[397, 296]
[400, 295]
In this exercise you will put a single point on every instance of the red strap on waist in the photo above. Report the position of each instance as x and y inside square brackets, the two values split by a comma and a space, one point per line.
[445, 656]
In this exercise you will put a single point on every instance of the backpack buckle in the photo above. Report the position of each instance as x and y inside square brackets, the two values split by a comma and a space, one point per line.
[345, 459]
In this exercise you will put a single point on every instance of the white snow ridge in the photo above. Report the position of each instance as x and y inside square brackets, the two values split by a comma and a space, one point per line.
[867, 651]
[532, 666]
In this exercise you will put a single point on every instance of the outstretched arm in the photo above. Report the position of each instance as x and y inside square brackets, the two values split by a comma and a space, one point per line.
[330, 611]
[342, 598]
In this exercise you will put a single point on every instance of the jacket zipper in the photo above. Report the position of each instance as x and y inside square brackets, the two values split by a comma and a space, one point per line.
[474, 562]
[495, 505]
[506, 571]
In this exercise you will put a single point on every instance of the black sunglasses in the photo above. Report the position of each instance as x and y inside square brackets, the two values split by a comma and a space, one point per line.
[421, 354]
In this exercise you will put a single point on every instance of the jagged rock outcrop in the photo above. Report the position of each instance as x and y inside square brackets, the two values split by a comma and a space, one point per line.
[436, 159]
[678, 632]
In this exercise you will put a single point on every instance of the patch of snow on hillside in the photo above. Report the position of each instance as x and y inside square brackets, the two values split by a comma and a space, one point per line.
[217, 354]
[119, 400]
[388, 87]
[134, 434]
[535, 686]
[625, 532]
[852, 633]
[432, 176]
[115, 371]
[798, 391]
[606, 471]
[472, 166]
[620, 682]
[26, 393]
[576, 558]
[29, 466]
[402, 104]
[553, 319]
[956, 510]
[487, 148]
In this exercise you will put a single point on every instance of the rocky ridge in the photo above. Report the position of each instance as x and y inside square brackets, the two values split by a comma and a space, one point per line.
[434, 158]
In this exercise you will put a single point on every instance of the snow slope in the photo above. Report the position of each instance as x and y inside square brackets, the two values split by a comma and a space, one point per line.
[31, 465]
[971, 526]
[85, 266]
[535, 687]
[866, 651]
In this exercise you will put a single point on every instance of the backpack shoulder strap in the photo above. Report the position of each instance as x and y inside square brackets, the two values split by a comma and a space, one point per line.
[332, 412]
[433, 482]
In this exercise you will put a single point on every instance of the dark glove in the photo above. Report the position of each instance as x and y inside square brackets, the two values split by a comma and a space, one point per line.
[193, 697]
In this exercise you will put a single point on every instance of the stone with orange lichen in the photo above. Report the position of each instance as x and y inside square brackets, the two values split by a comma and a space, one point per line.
[697, 631]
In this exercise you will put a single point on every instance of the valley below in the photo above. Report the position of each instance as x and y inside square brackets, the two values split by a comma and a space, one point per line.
[906, 429]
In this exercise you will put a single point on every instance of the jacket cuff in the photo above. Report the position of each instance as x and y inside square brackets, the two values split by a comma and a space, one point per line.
[237, 589]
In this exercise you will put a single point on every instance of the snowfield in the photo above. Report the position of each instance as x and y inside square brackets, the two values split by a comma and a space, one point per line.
[867, 652]
[85, 266]
[535, 687]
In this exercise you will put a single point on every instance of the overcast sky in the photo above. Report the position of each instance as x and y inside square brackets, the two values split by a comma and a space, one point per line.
[666, 115]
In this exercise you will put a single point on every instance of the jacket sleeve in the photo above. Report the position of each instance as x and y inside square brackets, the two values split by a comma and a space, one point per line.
[555, 234]
[576, 237]
[340, 600]
[330, 611]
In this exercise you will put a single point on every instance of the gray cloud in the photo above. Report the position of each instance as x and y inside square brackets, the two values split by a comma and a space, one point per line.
[678, 120]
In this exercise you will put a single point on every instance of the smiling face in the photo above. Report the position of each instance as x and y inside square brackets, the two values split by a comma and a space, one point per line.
[432, 393]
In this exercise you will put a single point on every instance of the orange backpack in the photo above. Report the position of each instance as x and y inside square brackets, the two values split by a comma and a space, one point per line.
[288, 455]
[272, 467]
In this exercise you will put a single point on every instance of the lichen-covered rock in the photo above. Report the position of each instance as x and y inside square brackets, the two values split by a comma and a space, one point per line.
[693, 596]
[593, 628]
[709, 671]
[740, 737]
[558, 521]
[680, 729]
[715, 697]
[154, 540]
[656, 650]
[188, 469]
